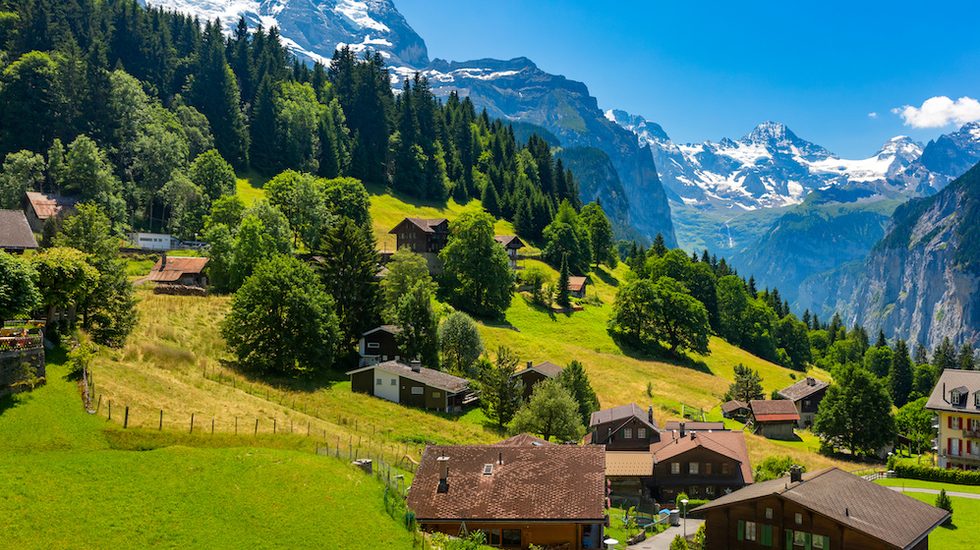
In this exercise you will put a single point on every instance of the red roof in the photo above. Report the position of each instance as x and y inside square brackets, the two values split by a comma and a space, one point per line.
[47, 206]
[176, 267]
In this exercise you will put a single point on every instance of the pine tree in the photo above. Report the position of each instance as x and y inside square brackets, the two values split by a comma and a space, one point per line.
[490, 200]
[563, 281]
[881, 342]
[659, 247]
[348, 273]
[944, 356]
[214, 91]
[900, 376]
[967, 359]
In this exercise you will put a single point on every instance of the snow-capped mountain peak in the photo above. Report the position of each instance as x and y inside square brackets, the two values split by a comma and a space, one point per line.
[770, 132]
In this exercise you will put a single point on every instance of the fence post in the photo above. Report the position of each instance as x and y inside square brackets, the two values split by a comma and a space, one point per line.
[236, 425]
[192, 422]
[274, 422]
[99, 406]
[256, 426]
[290, 425]
[307, 428]
[126, 418]
[110, 409]
[161, 421]
[212, 425]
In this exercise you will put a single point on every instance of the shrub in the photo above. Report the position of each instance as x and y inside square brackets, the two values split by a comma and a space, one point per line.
[929, 473]
[678, 543]
[945, 503]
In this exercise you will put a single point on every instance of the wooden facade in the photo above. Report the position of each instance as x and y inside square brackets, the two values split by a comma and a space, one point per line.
[379, 344]
[509, 534]
[411, 385]
[422, 236]
[632, 434]
[699, 472]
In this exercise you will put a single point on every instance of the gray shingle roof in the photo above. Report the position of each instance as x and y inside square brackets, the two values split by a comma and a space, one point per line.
[850, 500]
[429, 377]
[955, 379]
[802, 389]
[15, 232]
[622, 412]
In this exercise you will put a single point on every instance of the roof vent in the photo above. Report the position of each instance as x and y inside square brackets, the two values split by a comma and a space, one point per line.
[488, 469]
[416, 366]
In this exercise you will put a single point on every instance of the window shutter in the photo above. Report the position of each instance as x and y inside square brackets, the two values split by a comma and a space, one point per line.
[767, 535]
[789, 538]
[949, 422]
[949, 445]
[741, 529]
[969, 447]
[826, 542]
[809, 542]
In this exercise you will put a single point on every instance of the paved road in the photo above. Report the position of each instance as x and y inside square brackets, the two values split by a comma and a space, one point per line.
[974, 496]
[662, 540]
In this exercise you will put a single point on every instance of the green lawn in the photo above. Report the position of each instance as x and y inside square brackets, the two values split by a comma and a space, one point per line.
[249, 188]
[965, 529]
[67, 484]
[899, 482]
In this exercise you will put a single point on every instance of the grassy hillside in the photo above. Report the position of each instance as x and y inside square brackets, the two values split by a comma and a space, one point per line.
[70, 484]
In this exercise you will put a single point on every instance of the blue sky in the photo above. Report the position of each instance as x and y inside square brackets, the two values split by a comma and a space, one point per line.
[707, 70]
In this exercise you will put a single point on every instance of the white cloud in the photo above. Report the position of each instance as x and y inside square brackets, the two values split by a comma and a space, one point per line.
[940, 111]
[872, 114]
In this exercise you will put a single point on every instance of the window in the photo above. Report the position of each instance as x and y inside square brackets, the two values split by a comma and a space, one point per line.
[675, 468]
[511, 537]
[768, 513]
[493, 537]
[641, 433]
[373, 345]
[799, 538]
[750, 530]
[627, 433]
[378, 382]
[418, 390]
[820, 542]
[976, 399]
[710, 490]
[394, 382]
[799, 518]
[436, 394]
[707, 468]
[692, 468]
[726, 468]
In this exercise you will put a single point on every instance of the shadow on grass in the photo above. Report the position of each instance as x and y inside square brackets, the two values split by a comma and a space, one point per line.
[605, 276]
[8, 402]
[376, 189]
[306, 383]
[656, 352]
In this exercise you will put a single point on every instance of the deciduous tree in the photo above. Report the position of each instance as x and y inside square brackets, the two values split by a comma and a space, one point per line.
[477, 275]
[551, 412]
[460, 343]
[856, 412]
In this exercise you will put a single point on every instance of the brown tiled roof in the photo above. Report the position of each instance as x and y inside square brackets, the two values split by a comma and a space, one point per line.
[802, 389]
[964, 380]
[177, 267]
[629, 463]
[847, 499]
[576, 284]
[727, 444]
[47, 206]
[429, 377]
[522, 440]
[622, 412]
[15, 232]
[675, 425]
[729, 407]
[547, 368]
[425, 224]
[546, 483]
[773, 410]
[509, 241]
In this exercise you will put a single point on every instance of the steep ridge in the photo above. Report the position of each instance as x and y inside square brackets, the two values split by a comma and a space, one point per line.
[922, 280]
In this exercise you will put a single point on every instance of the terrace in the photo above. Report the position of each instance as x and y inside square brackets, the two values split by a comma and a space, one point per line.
[21, 335]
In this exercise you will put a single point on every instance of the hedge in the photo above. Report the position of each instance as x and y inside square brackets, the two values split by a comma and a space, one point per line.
[929, 473]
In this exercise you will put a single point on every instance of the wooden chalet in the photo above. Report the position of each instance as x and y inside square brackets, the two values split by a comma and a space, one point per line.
[512, 244]
[735, 409]
[421, 235]
[703, 464]
[15, 233]
[379, 344]
[825, 510]
[41, 207]
[775, 418]
[413, 385]
[180, 270]
[533, 374]
[551, 496]
[806, 395]
[623, 428]
[577, 285]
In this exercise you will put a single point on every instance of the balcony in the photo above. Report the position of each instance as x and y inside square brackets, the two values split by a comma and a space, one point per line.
[963, 457]
[972, 434]
[16, 336]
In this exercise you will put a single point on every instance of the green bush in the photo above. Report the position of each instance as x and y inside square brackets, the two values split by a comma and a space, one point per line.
[945, 503]
[929, 473]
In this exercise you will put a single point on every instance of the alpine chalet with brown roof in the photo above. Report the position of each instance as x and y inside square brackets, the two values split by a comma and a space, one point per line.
[534, 374]
[421, 235]
[41, 207]
[825, 510]
[623, 428]
[703, 464]
[379, 344]
[549, 495]
[774, 418]
[180, 270]
[413, 385]
[806, 395]
[735, 409]
[512, 244]
[576, 286]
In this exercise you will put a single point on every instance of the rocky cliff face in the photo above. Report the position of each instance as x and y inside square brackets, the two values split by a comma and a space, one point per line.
[922, 281]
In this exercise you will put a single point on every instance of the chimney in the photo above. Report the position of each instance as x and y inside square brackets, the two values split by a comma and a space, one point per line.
[682, 429]
[530, 364]
[500, 458]
[163, 261]
[416, 365]
[795, 474]
[944, 393]
[443, 474]
[810, 381]
[650, 414]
